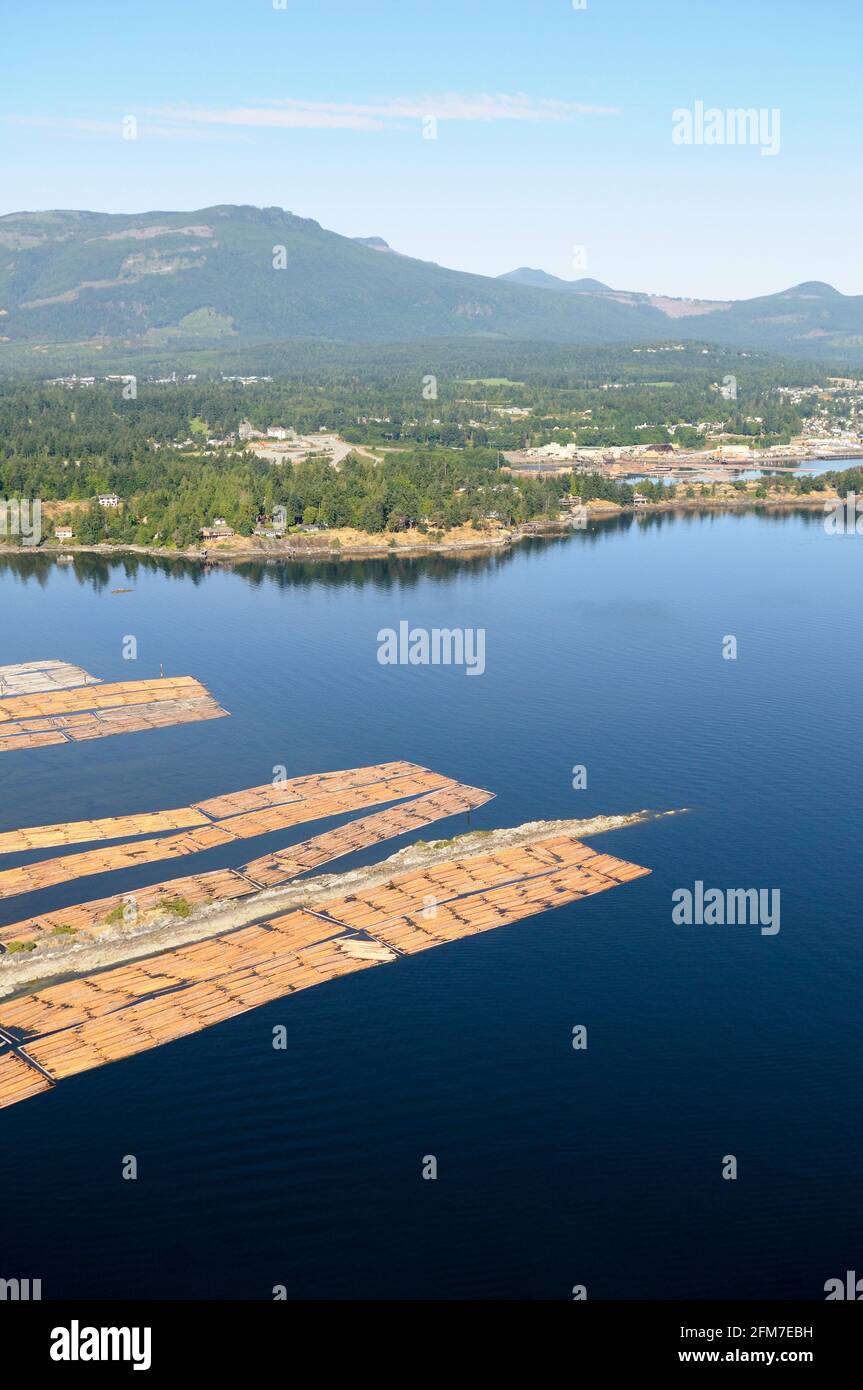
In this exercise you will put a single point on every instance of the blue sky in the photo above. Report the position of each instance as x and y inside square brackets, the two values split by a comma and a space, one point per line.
[553, 127]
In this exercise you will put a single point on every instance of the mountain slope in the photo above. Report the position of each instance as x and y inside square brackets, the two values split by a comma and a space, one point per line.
[228, 277]
[806, 318]
[542, 280]
[211, 275]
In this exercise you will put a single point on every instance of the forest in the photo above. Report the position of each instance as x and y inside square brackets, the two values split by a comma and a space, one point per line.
[428, 442]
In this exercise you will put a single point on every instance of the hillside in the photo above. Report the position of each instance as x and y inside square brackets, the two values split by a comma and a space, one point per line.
[169, 282]
[542, 280]
[806, 319]
[188, 278]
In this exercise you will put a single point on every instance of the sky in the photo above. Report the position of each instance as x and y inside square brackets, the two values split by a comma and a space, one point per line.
[480, 134]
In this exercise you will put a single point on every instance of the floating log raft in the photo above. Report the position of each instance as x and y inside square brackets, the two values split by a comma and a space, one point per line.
[442, 883]
[271, 870]
[108, 828]
[479, 911]
[51, 1013]
[291, 791]
[112, 695]
[36, 677]
[90, 920]
[47, 872]
[18, 1081]
[296, 789]
[99, 710]
[101, 1018]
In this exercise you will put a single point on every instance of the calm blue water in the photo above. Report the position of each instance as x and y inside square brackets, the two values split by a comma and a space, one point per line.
[811, 470]
[302, 1168]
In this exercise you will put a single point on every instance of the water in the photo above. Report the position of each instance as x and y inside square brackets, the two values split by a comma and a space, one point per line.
[557, 1167]
[813, 469]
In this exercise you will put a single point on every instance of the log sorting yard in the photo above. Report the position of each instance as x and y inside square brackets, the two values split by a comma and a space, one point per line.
[118, 975]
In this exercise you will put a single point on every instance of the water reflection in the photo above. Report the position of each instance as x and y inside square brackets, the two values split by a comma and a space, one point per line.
[99, 571]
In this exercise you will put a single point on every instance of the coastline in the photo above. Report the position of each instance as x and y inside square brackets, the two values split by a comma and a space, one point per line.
[331, 545]
[694, 462]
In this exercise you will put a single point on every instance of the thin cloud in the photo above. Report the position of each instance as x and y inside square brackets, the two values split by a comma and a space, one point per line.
[262, 118]
[67, 123]
[394, 113]
[86, 126]
[295, 113]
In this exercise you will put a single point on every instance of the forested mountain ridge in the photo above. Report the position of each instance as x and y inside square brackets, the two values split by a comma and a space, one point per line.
[228, 277]
[244, 274]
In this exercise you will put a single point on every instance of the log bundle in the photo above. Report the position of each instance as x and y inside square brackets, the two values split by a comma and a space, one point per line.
[84, 1023]
[90, 919]
[36, 677]
[204, 833]
[41, 715]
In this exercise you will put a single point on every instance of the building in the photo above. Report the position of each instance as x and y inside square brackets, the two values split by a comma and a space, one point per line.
[272, 527]
[535, 469]
[109, 499]
[219, 531]
[63, 533]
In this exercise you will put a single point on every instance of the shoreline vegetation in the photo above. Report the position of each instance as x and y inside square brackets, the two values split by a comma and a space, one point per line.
[383, 461]
[348, 544]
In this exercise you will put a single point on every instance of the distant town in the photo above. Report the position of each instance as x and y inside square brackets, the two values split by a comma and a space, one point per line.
[404, 454]
[829, 424]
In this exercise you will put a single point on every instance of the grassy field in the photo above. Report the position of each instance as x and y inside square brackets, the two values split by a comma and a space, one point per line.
[489, 381]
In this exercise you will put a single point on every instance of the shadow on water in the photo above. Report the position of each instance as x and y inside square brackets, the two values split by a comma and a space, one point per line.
[99, 571]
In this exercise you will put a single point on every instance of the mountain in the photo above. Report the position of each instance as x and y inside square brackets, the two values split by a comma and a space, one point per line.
[227, 277]
[377, 243]
[807, 319]
[804, 318]
[588, 286]
[243, 275]
[542, 280]
[672, 308]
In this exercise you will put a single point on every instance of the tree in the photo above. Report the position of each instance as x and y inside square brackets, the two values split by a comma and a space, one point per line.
[91, 524]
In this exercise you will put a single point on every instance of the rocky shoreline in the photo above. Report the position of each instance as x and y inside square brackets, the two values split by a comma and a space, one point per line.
[329, 546]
